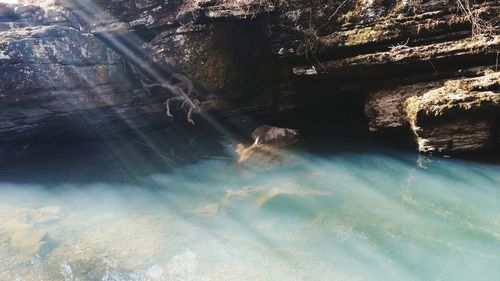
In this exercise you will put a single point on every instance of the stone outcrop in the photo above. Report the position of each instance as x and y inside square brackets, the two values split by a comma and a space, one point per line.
[461, 116]
[61, 82]
[390, 51]
[336, 63]
[24, 238]
[219, 44]
[385, 108]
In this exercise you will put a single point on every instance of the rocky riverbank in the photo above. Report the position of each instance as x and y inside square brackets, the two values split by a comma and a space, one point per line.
[421, 68]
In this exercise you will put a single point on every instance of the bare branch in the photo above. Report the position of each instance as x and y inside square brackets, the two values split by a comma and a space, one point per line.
[168, 105]
[337, 10]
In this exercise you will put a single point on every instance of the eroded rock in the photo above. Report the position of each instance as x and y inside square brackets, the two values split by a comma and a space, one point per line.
[461, 116]
[253, 58]
[60, 82]
[385, 108]
[268, 149]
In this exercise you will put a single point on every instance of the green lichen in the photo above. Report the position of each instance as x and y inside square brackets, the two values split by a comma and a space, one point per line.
[362, 36]
[466, 94]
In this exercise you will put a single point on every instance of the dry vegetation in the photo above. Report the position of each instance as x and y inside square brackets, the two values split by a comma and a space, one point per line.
[312, 42]
[469, 8]
[480, 25]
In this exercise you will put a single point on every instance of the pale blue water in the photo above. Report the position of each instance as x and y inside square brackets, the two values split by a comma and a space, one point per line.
[346, 213]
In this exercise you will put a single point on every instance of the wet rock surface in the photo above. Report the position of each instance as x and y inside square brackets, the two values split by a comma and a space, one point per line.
[463, 115]
[60, 82]
[387, 51]
[344, 65]
[275, 136]
[269, 148]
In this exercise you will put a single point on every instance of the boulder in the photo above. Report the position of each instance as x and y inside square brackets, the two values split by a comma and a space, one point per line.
[275, 136]
[267, 149]
[259, 155]
[461, 116]
[24, 238]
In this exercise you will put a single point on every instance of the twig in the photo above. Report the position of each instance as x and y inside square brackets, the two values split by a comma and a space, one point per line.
[480, 26]
[435, 70]
[337, 10]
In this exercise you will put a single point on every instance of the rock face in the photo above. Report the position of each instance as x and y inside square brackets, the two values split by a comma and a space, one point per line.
[60, 82]
[73, 80]
[220, 44]
[385, 108]
[463, 115]
[390, 51]
[339, 64]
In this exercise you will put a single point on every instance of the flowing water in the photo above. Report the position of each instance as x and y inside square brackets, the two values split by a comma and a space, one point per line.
[362, 213]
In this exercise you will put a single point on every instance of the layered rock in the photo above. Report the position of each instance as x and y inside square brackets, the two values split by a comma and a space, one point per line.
[385, 110]
[331, 61]
[462, 116]
[57, 72]
[336, 29]
[389, 51]
[60, 82]
[219, 44]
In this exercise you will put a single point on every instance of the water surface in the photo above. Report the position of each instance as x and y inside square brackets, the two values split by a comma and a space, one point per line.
[362, 213]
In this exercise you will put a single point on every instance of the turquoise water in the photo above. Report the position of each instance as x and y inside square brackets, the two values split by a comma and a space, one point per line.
[362, 213]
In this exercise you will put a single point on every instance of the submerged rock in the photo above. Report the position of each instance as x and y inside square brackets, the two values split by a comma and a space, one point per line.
[256, 59]
[290, 191]
[48, 215]
[275, 136]
[461, 116]
[258, 196]
[268, 147]
[24, 238]
[259, 155]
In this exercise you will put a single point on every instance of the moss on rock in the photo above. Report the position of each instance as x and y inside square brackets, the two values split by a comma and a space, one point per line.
[461, 95]
[458, 117]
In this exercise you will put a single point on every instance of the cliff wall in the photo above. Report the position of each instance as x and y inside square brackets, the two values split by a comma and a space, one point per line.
[365, 65]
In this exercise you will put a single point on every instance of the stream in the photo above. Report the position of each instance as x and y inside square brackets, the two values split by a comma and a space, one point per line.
[350, 212]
